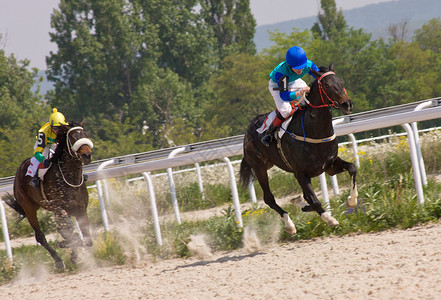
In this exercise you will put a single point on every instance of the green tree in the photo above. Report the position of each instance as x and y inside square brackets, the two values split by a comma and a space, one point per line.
[112, 138]
[232, 23]
[241, 93]
[428, 37]
[330, 20]
[164, 102]
[20, 114]
[412, 75]
[104, 49]
[277, 53]
[149, 61]
[185, 40]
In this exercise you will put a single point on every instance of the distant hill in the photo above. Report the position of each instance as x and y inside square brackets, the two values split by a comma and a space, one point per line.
[374, 18]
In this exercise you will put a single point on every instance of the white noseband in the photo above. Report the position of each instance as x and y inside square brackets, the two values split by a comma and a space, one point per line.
[83, 141]
[77, 145]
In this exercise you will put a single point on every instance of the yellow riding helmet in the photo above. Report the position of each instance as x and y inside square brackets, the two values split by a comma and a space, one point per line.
[57, 118]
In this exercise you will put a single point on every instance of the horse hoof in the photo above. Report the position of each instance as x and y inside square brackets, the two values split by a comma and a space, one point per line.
[290, 230]
[74, 259]
[289, 225]
[351, 202]
[88, 243]
[59, 265]
[330, 220]
[62, 244]
[298, 201]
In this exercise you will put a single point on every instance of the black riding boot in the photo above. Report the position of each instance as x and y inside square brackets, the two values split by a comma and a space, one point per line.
[268, 137]
[35, 181]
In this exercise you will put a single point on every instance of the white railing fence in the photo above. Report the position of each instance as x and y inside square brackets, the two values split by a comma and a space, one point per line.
[223, 150]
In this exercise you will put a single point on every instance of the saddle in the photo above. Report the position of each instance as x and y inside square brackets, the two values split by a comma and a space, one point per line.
[279, 132]
[269, 119]
[42, 171]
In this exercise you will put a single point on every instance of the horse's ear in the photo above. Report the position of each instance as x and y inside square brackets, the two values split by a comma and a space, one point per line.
[316, 74]
[82, 123]
[331, 67]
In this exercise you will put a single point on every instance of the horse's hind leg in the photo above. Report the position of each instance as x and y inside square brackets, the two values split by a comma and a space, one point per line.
[31, 214]
[339, 166]
[269, 199]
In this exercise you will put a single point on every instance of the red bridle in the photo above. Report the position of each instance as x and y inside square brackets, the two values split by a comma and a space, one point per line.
[322, 91]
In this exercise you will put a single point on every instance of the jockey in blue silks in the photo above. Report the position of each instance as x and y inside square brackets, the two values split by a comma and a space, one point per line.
[286, 86]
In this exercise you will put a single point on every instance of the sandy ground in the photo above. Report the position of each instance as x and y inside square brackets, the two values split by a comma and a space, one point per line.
[397, 264]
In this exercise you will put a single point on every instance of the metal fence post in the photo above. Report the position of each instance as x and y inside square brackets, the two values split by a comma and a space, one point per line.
[415, 165]
[234, 192]
[153, 207]
[417, 142]
[324, 186]
[101, 199]
[5, 232]
[201, 186]
[171, 183]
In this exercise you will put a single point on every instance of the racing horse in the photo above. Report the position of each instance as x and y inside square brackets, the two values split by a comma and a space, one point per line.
[307, 148]
[63, 192]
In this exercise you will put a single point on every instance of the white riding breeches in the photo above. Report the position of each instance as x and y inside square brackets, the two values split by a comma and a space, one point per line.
[284, 107]
[33, 166]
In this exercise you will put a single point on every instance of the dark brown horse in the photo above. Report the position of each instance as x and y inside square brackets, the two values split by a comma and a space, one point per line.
[63, 192]
[307, 148]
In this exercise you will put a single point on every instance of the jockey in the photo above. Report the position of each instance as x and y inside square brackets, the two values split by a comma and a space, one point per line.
[286, 86]
[46, 141]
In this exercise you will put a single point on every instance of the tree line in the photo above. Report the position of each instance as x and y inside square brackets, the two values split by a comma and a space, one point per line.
[151, 74]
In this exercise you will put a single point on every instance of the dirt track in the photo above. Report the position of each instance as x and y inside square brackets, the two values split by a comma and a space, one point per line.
[398, 264]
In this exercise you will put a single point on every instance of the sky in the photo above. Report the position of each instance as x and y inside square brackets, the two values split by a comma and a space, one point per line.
[25, 24]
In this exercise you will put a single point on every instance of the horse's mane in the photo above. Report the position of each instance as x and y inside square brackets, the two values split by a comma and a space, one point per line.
[61, 138]
[322, 69]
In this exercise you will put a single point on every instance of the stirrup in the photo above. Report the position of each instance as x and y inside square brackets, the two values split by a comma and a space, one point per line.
[35, 182]
[267, 139]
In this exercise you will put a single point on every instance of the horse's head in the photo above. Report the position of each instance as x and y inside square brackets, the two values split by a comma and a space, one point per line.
[331, 90]
[77, 142]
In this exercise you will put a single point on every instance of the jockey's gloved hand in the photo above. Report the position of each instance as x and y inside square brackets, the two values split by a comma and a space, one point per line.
[46, 163]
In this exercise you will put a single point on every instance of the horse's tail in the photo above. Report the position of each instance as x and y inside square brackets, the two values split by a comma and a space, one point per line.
[245, 174]
[12, 203]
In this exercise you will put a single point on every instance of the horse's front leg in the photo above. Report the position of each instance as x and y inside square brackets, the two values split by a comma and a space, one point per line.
[339, 166]
[65, 228]
[83, 223]
[313, 201]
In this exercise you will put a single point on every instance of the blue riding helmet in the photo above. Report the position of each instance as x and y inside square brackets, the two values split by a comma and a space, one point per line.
[296, 57]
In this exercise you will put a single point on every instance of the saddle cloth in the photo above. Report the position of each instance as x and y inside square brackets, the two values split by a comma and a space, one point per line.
[269, 119]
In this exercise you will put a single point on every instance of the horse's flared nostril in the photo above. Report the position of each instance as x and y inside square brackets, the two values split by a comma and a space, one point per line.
[86, 158]
[346, 107]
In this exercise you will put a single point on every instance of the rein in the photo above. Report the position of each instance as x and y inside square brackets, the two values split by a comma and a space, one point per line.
[67, 182]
